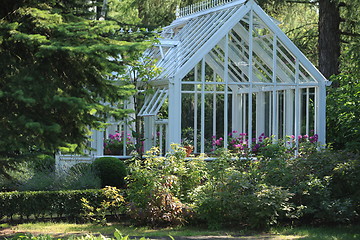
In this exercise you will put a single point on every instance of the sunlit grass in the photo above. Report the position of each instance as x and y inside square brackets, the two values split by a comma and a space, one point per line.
[323, 233]
[53, 228]
[4, 225]
[303, 233]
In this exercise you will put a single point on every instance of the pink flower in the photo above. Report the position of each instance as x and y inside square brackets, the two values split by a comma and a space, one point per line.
[241, 147]
[314, 138]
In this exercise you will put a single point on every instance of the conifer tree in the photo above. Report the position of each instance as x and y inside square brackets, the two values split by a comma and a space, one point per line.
[58, 70]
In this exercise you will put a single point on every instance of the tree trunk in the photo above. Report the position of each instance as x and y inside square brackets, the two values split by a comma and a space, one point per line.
[329, 37]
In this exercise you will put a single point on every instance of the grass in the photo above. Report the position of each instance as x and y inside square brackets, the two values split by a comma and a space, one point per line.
[303, 233]
[322, 233]
[68, 228]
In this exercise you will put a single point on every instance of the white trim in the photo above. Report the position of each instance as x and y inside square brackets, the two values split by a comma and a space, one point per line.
[288, 43]
[215, 37]
[153, 104]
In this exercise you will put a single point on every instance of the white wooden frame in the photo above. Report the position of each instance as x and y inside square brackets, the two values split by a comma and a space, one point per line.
[267, 84]
[233, 51]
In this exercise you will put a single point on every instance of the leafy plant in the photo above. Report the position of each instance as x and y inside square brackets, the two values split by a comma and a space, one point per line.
[343, 129]
[158, 187]
[324, 182]
[232, 197]
[111, 171]
[37, 204]
[79, 176]
[268, 147]
[117, 236]
[113, 204]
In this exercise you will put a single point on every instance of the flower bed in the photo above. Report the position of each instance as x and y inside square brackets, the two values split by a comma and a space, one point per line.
[238, 143]
[116, 143]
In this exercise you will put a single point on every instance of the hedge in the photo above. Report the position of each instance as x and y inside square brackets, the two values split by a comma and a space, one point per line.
[40, 204]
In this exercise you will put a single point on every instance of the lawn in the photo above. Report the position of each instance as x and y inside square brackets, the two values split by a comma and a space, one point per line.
[64, 230]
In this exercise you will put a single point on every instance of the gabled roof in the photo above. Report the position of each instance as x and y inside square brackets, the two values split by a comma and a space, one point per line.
[201, 34]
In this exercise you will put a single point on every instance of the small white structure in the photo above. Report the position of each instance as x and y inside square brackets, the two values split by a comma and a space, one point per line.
[227, 66]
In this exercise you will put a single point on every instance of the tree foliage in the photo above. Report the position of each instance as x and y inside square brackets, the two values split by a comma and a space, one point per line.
[343, 99]
[58, 68]
[146, 13]
[337, 25]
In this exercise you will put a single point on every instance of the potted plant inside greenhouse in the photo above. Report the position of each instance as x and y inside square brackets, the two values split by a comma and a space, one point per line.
[116, 143]
[188, 144]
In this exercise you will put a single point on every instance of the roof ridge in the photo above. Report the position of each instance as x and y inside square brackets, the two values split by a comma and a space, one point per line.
[205, 6]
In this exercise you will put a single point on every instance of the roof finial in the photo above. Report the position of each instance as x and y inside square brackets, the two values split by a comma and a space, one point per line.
[177, 11]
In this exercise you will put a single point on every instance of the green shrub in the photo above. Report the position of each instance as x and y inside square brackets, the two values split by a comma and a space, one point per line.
[326, 182]
[343, 128]
[79, 176]
[233, 197]
[111, 171]
[114, 203]
[158, 187]
[34, 172]
[44, 180]
[43, 162]
[20, 173]
[46, 203]
[163, 209]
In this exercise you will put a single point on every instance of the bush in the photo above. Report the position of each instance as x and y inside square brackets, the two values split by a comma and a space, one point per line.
[19, 174]
[41, 204]
[343, 128]
[233, 197]
[326, 182]
[44, 180]
[114, 203]
[111, 171]
[158, 187]
[80, 176]
[43, 162]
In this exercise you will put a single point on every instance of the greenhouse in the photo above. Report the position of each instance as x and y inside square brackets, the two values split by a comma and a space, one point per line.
[226, 67]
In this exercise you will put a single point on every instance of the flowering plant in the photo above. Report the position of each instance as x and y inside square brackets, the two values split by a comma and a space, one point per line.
[239, 143]
[114, 144]
[267, 146]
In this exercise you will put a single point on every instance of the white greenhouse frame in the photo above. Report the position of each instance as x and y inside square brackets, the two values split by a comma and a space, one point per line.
[233, 51]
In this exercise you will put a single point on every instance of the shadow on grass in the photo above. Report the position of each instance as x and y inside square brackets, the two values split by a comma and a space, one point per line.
[65, 230]
[325, 233]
